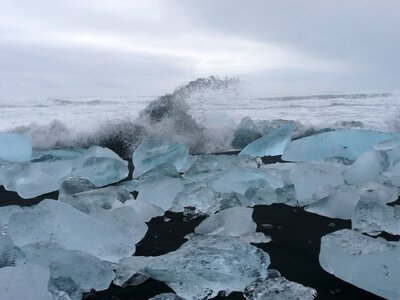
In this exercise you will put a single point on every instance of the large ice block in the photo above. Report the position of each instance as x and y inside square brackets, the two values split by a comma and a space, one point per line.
[156, 151]
[236, 222]
[273, 143]
[308, 178]
[347, 144]
[277, 287]
[205, 265]
[372, 216]
[72, 272]
[372, 264]
[57, 223]
[246, 133]
[27, 282]
[15, 147]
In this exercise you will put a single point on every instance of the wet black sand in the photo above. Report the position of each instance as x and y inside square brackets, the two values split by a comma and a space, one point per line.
[294, 248]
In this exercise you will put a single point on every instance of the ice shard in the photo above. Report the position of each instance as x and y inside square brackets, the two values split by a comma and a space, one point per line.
[204, 266]
[372, 264]
[156, 151]
[308, 178]
[57, 223]
[273, 143]
[15, 147]
[277, 287]
[348, 144]
[235, 222]
[246, 133]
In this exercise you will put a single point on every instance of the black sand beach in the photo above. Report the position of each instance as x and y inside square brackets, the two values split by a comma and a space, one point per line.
[294, 248]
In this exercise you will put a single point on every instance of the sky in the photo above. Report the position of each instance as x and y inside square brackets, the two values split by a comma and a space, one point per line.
[122, 48]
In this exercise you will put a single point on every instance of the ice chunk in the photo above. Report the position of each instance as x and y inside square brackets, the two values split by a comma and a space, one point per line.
[167, 296]
[28, 282]
[239, 180]
[5, 213]
[347, 144]
[236, 222]
[340, 202]
[228, 200]
[92, 200]
[367, 167]
[308, 178]
[74, 185]
[72, 272]
[273, 143]
[10, 254]
[28, 180]
[339, 205]
[156, 151]
[205, 265]
[372, 216]
[372, 264]
[15, 147]
[265, 196]
[145, 211]
[102, 171]
[158, 187]
[198, 197]
[388, 145]
[57, 223]
[277, 287]
[246, 133]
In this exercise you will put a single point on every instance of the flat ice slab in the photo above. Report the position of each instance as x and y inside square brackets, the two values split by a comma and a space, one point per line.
[348, 144]
[372, 264]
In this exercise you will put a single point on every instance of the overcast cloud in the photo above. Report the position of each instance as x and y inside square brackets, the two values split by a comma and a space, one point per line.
[103, 48]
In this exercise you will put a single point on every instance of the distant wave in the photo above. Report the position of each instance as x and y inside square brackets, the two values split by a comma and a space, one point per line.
[63, 102]
[328, 96]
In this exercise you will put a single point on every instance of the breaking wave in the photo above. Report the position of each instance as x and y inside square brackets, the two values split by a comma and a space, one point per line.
[193, 114]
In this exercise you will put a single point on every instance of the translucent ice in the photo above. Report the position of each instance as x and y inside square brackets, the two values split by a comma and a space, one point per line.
[205, 265]
[308, 178]
[246, 133]
[367, 167]
[102, 171]
[167, 296]
[57, 223]
[372, 216]
[276, 287]
[236, 222]
[372, 264]
[5, 213]
[156, 151]
[273, 143]
[340, 202]
[239, 180]
[28, 282]
[145, 211]
[10, 254]
[347, 144]
[72, 272]
[15, 147]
